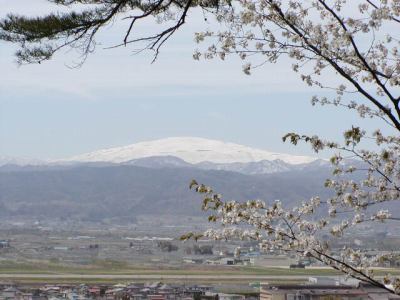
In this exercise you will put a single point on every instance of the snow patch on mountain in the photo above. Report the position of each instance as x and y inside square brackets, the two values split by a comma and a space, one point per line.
[20, 161]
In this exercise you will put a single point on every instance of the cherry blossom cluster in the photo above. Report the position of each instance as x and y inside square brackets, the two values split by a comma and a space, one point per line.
[300, 229]
[355, 42]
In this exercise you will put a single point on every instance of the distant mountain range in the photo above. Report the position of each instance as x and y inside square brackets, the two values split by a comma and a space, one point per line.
[190, 152]
[95, 192]
[151, 178]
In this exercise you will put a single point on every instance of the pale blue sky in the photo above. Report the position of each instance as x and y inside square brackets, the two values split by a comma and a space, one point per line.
[116, 98]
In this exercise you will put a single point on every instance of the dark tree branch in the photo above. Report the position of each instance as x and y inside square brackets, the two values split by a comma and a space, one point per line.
[361, 57]
[336, 66]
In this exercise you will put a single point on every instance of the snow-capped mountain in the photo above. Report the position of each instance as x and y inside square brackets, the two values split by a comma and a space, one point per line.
[192, 150]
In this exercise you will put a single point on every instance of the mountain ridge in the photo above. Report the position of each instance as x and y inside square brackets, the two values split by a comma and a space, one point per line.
[161, 162]
[188, 152]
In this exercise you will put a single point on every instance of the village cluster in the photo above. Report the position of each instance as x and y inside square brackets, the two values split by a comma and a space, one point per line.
[315, 289]
[131, 291]
[149, 243]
